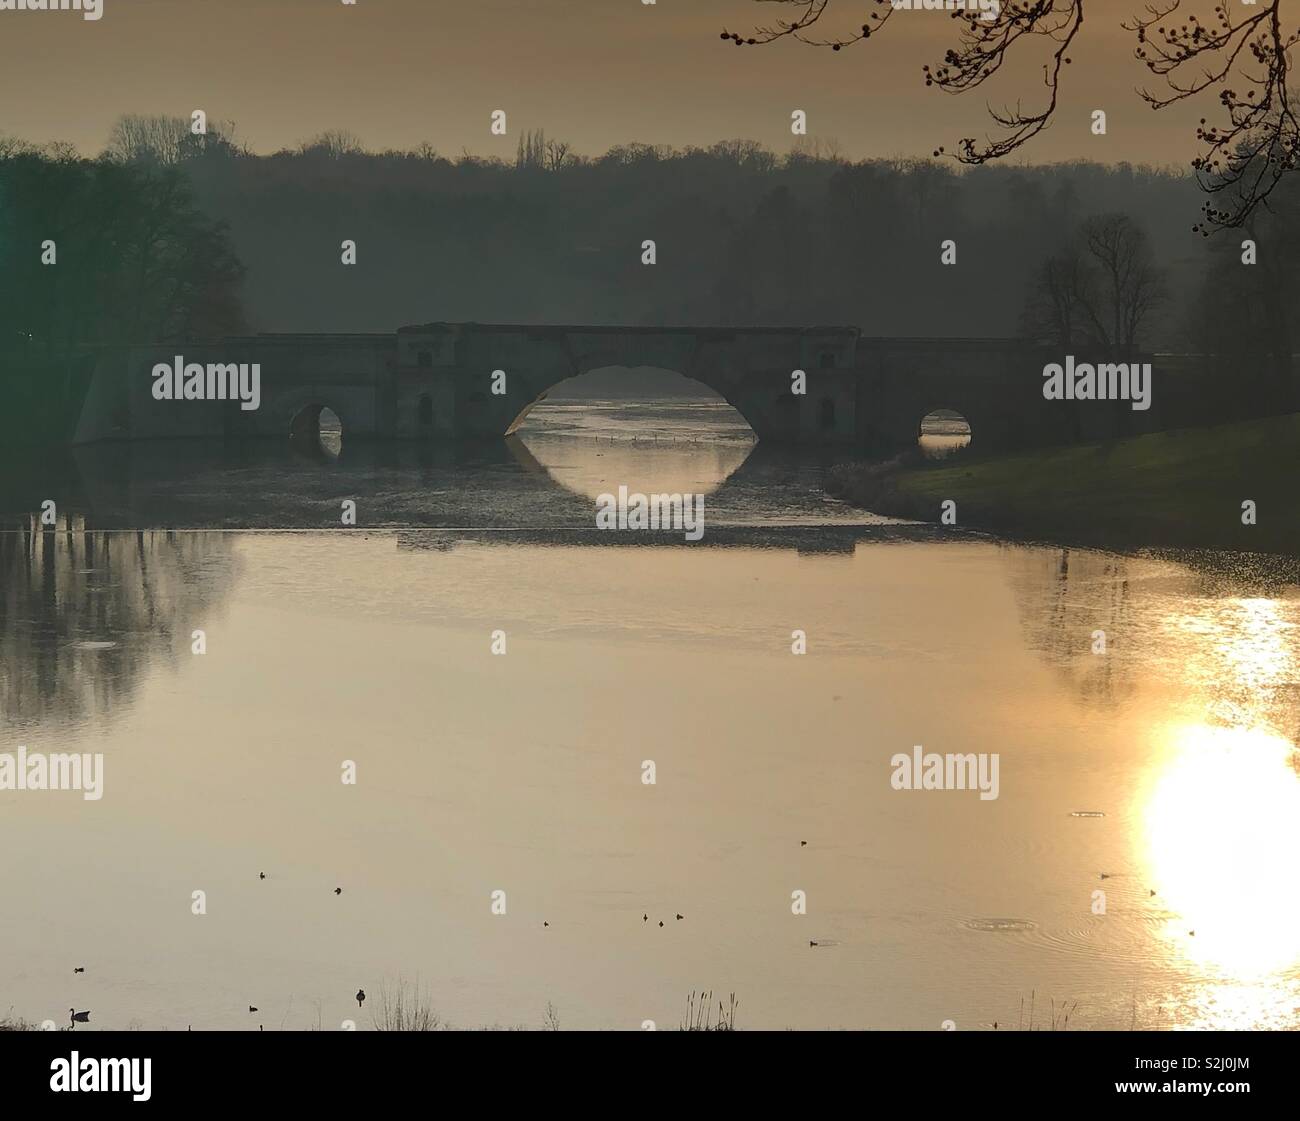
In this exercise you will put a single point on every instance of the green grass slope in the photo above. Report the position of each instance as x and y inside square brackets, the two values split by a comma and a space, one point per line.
[1184, 488]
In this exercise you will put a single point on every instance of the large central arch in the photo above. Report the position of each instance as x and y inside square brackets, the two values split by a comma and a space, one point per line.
[484, 380]
[676, 352]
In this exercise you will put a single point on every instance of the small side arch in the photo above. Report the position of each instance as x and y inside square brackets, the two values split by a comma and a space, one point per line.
[941, 432]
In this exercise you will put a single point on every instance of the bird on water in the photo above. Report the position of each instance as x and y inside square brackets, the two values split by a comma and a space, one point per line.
[79, 1017]
[361, 996]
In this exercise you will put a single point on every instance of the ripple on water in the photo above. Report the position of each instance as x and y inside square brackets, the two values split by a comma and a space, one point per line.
[1128, 943]
[89, 644]
[999, 926]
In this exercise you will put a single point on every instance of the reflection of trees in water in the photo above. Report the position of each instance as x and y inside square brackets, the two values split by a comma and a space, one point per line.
[83, 614]
[1063, 596]
[1228, 641]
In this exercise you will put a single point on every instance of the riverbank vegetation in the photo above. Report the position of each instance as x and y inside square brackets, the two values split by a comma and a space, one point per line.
[1182, 488]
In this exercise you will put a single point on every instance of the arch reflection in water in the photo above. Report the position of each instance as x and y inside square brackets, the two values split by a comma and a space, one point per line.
[679, 438]
[590, 469]
[317, 431]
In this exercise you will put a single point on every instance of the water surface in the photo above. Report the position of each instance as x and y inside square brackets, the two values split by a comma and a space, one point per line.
[1166, 765]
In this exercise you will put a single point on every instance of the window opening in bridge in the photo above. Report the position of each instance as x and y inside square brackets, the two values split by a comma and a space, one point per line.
[826, 415]
[425, 410]
[827, 360]
[317, 430]
[331, 432]
[424, 360]
[943, 432]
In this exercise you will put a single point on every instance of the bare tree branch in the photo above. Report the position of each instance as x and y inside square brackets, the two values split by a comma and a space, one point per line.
[983, 44]
[1244, 159]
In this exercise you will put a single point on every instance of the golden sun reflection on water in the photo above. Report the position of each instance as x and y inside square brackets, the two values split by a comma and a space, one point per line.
[1223, 831]
[1222, 822]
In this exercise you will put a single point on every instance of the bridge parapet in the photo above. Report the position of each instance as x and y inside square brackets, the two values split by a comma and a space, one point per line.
[438, 381]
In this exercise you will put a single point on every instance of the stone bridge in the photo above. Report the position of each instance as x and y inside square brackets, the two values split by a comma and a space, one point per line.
[444, 381]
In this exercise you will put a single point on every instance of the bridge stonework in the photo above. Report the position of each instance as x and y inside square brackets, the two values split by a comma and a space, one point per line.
[436, 382]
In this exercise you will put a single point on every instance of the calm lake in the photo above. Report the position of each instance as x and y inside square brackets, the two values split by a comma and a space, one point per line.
[1137, 865]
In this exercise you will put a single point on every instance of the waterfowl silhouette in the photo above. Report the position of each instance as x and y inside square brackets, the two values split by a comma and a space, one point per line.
[661, 922]
[78, 1017]
[546, 924]
[251, 1008]
[338, 891]
[78, 969]
[802, 843]
[681, 916]
[361, 997]
[261, 875]
[645, 918]
[811, 942]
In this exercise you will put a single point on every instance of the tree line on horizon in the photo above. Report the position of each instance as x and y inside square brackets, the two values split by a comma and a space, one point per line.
[168, 235]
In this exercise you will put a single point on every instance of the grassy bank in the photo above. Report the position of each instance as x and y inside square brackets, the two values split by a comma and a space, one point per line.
[1182, 488]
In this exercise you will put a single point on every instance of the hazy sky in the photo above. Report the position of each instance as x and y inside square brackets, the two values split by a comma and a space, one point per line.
[593, 72]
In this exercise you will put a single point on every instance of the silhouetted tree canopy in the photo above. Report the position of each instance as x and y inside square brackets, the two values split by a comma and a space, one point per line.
[134, 258]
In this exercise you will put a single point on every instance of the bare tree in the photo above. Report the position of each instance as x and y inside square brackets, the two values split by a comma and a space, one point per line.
[140, 139]
[332, 144]
[11, 146]
[1099, 290]
[1243, 160]
[557, 154]
[164, 141]
[1055, 311]
[1130, 285]
[535, 151]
